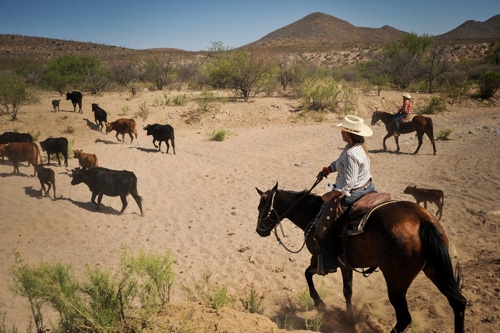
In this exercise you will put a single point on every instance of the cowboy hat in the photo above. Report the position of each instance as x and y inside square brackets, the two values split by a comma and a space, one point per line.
[354, 125]
[407, 95]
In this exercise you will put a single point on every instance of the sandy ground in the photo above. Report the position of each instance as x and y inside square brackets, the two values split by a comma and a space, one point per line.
[201, 204]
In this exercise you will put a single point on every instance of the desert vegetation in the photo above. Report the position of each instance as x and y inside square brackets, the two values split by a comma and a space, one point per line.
[413, 63]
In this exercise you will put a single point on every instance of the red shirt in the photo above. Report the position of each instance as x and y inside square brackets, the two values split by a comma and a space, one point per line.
[407, 107]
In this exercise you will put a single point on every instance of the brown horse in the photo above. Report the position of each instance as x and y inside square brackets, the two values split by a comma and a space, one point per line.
[422, 125]
[400, 238]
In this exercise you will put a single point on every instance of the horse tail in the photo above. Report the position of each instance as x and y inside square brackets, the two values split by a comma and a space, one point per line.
[430, 125]
[440, 266]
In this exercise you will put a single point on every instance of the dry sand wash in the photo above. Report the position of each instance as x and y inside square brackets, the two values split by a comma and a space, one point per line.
[202, 205]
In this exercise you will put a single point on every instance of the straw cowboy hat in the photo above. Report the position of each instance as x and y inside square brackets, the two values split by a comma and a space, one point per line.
[354, 125]
[407, 95]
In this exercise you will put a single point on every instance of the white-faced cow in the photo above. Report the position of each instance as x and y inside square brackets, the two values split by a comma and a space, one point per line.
[86, 160]
[46, 176]
[55, 104]
[113, 183]
[161, 133]
[123, 126]
[56, 146]
[100, 116]
[21, 152]
[76, 99]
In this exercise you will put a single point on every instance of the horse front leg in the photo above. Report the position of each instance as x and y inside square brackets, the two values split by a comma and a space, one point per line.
[347, 288]
[318, 302]
[385, 138]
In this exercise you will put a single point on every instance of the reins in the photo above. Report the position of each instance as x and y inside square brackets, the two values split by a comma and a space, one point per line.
[309, 228]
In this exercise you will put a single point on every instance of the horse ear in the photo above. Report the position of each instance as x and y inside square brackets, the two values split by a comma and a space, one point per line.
[275, 188]
[259, 191]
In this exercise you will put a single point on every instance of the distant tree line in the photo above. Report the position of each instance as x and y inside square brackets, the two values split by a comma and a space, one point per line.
[414, 63]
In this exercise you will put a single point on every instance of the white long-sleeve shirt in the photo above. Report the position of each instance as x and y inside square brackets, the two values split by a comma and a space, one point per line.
[353, 169]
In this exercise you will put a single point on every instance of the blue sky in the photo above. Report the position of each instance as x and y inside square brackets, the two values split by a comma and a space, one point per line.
[192, 25]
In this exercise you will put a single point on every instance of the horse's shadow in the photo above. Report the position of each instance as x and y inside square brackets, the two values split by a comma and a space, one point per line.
[378, 151]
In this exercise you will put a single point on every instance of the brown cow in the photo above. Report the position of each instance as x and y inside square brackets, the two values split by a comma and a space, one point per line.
[46, 176]
[123, 126]
[427, 195]
[21, 152]
[86, 160]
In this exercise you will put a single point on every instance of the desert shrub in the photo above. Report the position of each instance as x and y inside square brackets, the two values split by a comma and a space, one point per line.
[102, 302]
[252, 302]
[444, 134]
[489, 83]
[36, 135]
[180, 100]
[143, 111]
[436, 105]
[218, 135]
[14, 93]
[125, 109]
[320, 94]
[213, 296]
[349, 99]
[206, 101]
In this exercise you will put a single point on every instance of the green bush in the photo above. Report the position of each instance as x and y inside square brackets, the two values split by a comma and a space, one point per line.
[436, 105]
[252, 301]
[489, 83]
[320, 94]
[103, 302]
[218, 135]
[444, 134]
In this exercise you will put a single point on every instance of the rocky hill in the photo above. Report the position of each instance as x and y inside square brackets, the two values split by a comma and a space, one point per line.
[324, 39]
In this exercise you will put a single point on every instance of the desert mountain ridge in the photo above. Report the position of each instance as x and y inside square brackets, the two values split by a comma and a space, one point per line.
[316, 32]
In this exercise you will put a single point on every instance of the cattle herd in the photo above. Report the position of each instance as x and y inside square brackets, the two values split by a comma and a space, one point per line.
[20, 147]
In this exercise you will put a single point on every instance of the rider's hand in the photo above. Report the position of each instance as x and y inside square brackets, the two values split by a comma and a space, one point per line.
[323, 173]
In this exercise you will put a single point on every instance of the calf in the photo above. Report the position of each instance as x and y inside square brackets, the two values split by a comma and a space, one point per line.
[55, 104]
[161, 133]
[56, 146]
[100, 115]
[46, 176]
[76, 99]
[123, 126]
[102, 181]
[21, 152]
[86, 160]
[427, 195]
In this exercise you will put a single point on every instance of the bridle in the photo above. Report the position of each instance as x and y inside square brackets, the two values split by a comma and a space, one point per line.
[277, 222]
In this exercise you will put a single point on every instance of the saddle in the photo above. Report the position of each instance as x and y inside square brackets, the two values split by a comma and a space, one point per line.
[361, 210]
[407, 119]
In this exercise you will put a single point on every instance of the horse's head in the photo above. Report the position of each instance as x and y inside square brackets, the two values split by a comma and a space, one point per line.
[268, 217]
[375, 118]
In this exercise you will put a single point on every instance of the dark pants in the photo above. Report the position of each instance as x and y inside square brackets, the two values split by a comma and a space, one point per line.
[397, 119]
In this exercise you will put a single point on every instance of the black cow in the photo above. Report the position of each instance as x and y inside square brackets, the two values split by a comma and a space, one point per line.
[161, 133]
[56, 146]
[76, 98]
[100, 116]
[8, 137]
[55, 104]
[113, 183]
